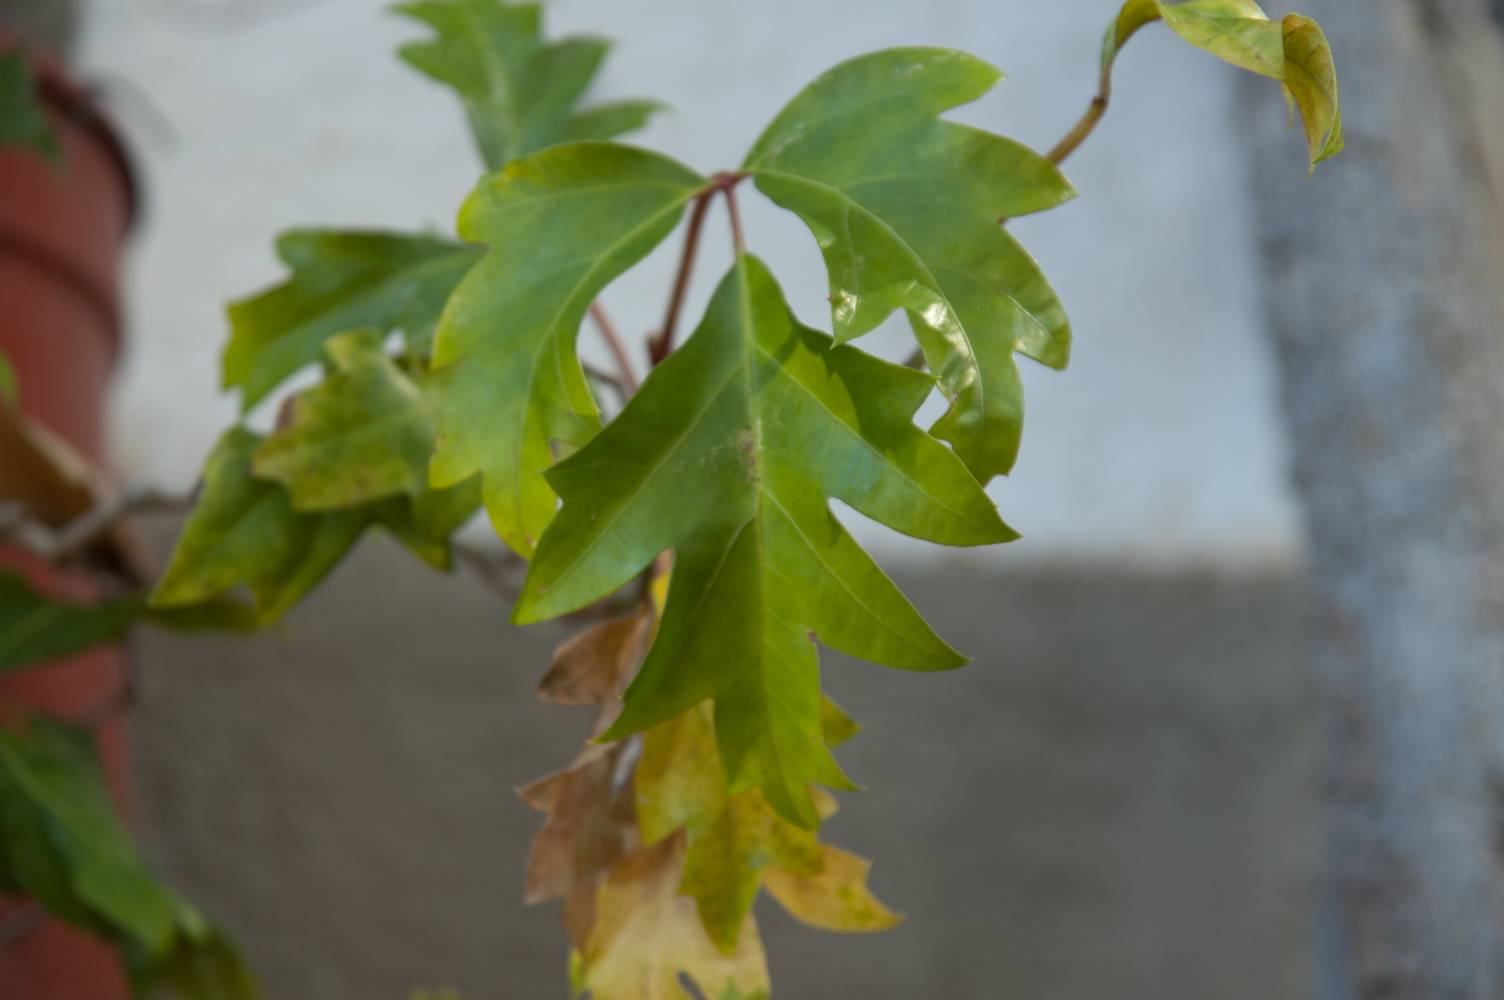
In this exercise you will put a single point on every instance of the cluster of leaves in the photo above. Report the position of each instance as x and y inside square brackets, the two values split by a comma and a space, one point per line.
[451, 382]
[61, 846]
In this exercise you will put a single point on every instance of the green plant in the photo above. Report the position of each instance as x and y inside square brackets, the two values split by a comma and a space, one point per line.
[451, 383]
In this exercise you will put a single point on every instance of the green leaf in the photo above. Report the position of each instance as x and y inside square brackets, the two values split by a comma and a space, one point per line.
[727, 456]
[10, 389]
[362, 434]
[1292, 50]
[61, 845]
[365, 436]
[36, 629]
[520, 92]
[561, 224]
[425, 522]
[906, 209]
[22, 120]
[340, 281]
[244, 530]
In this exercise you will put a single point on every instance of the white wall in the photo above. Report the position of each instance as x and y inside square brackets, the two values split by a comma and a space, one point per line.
[1159, 445]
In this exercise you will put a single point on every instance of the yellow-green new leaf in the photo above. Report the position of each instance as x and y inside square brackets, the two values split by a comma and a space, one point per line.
[1292, 50]
[728, 456]
[507, 385]
[244, 531]
[340, 281]
[907, 210]
[520, 92]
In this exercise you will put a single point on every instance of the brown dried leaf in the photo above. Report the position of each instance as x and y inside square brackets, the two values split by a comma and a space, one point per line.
[42, 471]
[590, 828]
[591, 812]
[593, 668]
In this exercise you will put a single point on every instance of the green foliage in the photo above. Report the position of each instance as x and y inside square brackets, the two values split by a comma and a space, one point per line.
[759, 419]
[10, 390]
[35, 629]
[710, 493]
[340, 281]
[61, 845]
[1292, 50]
[561, 225]
[22, 120]
[905, 208]
[362, 434]
[520, 92]
[245, 531]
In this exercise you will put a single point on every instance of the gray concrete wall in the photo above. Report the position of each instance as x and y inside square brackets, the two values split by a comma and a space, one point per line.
[1114, 800]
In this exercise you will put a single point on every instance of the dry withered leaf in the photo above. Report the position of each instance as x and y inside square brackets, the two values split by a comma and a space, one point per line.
[42, 471]
[591, 821]
[647, 934]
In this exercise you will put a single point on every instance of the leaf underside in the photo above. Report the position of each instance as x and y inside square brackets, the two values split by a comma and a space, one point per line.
[1292, 50]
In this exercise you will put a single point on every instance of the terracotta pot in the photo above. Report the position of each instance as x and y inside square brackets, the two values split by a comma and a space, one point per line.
[62, 231]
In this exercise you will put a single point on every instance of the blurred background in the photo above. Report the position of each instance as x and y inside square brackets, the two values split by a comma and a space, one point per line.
[1117, 798]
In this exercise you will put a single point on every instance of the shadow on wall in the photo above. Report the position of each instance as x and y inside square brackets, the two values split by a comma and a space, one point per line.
[1115, 800]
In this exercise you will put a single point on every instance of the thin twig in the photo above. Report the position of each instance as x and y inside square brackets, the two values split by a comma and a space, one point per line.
[57, 545]
[738, 241]
[495, 567]
[1089, 121]
[605, 378]
[662, 345]
[618, 349]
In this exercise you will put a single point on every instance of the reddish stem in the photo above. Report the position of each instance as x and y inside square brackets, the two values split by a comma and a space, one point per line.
[662, 345]
[618, 349]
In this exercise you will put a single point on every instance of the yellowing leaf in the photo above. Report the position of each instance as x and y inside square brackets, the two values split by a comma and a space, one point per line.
[1292, 50]
[646, 934]
[735, 842]
[362, 434]
[835, 898]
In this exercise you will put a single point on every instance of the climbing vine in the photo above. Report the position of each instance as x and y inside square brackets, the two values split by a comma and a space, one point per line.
[686, 511]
